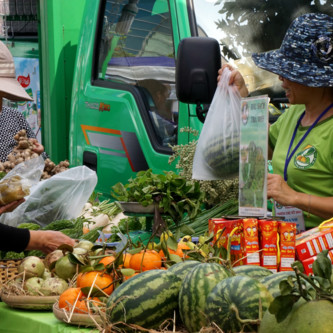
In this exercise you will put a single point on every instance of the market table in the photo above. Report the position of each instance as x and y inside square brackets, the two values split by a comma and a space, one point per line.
[16, 321]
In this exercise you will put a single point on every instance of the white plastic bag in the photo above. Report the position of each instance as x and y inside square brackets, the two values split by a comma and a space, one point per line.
[17, 183]
[217, 152]
[60, 197]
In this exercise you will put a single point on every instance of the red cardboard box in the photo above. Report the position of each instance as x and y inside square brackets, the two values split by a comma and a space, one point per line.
[251, 241]
[237, 250]
[268, 244]
[316, 241]
[287, 233]
[307, 263]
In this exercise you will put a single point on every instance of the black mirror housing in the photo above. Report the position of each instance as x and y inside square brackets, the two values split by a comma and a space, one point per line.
[198, 61]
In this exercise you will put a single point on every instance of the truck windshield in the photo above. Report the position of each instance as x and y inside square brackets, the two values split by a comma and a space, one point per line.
[243, 27]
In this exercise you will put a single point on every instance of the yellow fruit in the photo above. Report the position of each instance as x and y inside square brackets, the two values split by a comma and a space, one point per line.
[186, 238]
[165, 235]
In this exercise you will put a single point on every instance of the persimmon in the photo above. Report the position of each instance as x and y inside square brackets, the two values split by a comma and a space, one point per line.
[126, 258]
[68, 298]
[78, 279]
[107, 260]
[103, 281]
[145, 260]
[82, 305]
[179, 252]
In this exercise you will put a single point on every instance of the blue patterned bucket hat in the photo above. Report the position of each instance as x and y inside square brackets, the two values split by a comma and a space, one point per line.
[306, 52]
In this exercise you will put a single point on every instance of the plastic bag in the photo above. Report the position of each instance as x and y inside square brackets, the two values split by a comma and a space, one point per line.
[60, 197]
[217, 152]
[16, 184]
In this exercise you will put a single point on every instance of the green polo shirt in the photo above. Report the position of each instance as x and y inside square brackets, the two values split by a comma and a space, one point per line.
[311, 167]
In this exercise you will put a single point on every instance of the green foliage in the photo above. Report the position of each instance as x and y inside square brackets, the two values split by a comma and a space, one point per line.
[174, 194]
[59, 225]
[30, 226]
[132, 223]
[11, 255]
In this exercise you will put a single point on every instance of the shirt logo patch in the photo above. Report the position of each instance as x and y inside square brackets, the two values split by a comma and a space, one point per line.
[306, 158]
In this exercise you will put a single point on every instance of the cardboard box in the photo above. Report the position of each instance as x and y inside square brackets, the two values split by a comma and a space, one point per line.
[287, 232]
[313, 242]
[251, 241]
[268, 230]
[226, 226]
[307, 263]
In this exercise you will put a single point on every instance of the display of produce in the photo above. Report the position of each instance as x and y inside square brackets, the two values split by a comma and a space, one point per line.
[23, 151]
[189, 276]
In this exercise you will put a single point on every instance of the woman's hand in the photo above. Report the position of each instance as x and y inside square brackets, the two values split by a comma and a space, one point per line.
[39, 148]
[11, 206]
[236, 79]
[47, 240]
[280, 191]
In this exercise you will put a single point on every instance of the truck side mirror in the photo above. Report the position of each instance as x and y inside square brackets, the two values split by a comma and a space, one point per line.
[198, 61]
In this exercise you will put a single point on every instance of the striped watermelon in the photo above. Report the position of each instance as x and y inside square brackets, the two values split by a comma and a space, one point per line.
[194, 290]
[146, 299]
[272, 282]
[240, 293]
[255, 272]
[182, 268]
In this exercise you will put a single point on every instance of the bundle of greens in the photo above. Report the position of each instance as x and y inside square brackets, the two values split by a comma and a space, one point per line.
[174, 194]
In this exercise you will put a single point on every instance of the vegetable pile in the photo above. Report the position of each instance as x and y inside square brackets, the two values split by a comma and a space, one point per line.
[23, 151]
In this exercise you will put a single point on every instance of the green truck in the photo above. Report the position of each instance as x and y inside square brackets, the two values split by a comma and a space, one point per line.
[114, 94]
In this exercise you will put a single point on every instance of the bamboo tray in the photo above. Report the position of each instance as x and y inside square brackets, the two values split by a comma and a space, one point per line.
[78, 319]
[136, 208]
[8, 269]
[29, 302]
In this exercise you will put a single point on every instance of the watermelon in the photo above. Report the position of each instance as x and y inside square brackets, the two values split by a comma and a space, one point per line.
[194, 290]
[146, 299]
[255, 272]
[237, 293]
[272, 282]
[182, 268]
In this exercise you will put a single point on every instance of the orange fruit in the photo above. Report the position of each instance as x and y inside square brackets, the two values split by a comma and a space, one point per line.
[145, 260]
[82, 305]
[179, 252]
[68, 298]
[107, 260]
[103, 281]
[126, 258]
[78, 279]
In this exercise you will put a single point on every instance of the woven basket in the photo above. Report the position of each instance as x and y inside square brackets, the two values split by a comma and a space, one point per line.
[8, 269]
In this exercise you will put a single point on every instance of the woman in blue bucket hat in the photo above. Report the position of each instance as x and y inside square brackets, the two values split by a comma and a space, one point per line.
[301, 140]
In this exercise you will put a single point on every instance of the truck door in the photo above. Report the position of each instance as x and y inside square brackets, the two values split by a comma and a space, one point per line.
[124, 114]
